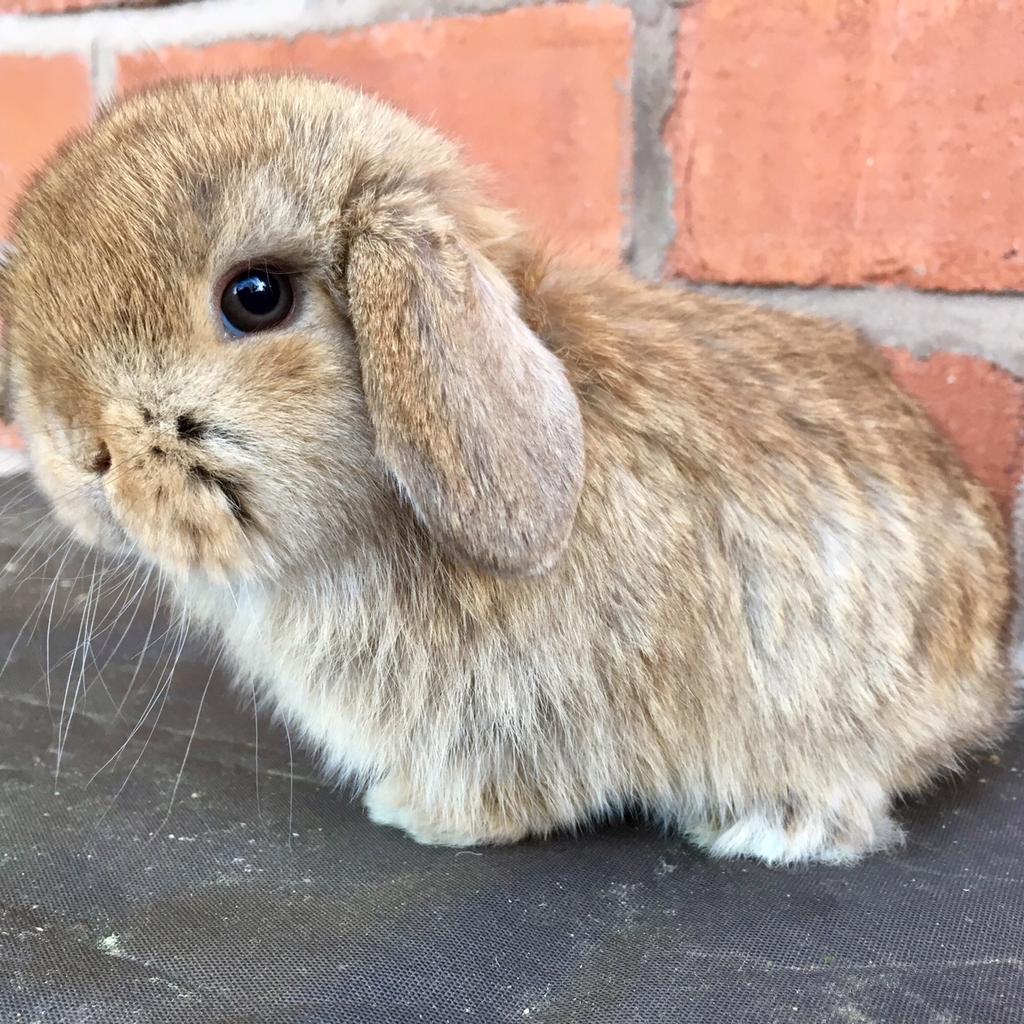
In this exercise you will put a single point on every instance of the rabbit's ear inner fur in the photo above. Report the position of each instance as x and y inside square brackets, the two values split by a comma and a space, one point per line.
[473, 415]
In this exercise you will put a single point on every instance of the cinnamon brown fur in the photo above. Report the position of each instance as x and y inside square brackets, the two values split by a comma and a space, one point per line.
[514, 545]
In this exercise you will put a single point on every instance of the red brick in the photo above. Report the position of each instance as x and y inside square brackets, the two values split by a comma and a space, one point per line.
[850, 142]
[540, 96]
[978, 407]
[41, 100]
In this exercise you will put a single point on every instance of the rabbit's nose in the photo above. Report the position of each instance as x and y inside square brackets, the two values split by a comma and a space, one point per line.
[100, 461]
[183, 427]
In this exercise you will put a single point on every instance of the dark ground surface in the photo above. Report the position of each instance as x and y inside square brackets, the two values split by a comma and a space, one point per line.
[281, 903]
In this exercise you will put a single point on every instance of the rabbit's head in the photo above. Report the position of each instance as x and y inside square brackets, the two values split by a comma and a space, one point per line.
[248, 323]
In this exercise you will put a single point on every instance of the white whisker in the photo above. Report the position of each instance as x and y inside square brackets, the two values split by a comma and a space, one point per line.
[65, 722]
[164, 688]
[188, 747]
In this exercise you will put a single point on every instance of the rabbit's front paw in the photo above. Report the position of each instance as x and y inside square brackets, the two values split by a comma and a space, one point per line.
[389, 803]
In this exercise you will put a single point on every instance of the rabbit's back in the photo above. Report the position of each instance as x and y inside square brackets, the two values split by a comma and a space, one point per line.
[824, 585]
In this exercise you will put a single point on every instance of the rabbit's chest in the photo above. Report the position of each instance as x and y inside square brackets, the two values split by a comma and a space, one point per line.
[322, 669]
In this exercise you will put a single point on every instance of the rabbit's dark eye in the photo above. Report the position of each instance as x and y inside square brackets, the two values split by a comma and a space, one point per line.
[255, 299]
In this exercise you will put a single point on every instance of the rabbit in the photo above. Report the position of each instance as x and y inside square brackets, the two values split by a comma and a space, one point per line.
[515, 546]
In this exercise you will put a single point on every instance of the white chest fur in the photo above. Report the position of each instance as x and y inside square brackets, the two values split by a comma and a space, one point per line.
[291, 654]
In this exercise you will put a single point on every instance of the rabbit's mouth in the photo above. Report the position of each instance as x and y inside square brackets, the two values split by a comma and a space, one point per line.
[186, 515]
[233, 492]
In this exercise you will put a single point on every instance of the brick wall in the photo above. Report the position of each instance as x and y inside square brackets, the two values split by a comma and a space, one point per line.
[859, 158]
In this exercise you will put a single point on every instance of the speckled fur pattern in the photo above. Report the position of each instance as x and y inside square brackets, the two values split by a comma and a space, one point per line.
[514, 546]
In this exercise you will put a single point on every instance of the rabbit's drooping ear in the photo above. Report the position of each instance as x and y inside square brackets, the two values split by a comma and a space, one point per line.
[473, 415]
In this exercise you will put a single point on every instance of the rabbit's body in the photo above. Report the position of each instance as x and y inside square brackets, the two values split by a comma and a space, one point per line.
[514, 546]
